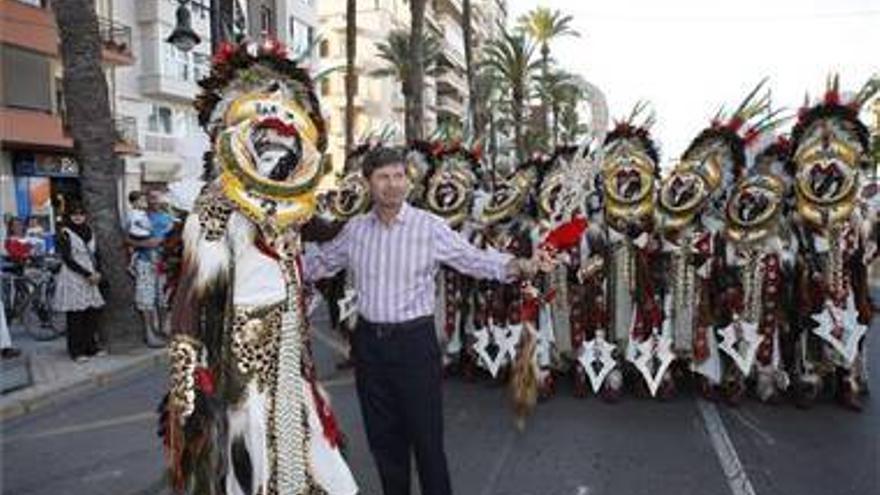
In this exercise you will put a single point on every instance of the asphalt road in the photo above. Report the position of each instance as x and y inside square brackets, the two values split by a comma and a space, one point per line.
[104, 442]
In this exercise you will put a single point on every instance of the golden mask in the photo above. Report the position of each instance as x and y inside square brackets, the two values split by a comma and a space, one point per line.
[754, 208]
[270, 163]
[628, 181]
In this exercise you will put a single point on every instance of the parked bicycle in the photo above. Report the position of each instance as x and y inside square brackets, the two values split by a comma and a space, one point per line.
[27, 296]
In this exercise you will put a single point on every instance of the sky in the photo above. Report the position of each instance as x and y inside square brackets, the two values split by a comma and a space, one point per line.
[688, 57]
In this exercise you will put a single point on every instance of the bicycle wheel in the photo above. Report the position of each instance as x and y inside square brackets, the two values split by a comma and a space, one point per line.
[40, 319]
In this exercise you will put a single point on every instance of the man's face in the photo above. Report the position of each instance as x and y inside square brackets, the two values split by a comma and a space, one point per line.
[389, 185]
[154, 200]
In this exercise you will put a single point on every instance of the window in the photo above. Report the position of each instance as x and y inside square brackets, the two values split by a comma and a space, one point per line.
[201, 66]
[324, 49]
[325, 86]
[301, 36]
[161, 120]
[266, 22]
[26, 80]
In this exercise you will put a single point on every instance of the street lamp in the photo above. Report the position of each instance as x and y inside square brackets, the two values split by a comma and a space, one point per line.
[183, 36]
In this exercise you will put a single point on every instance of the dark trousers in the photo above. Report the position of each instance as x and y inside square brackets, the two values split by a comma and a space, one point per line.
[399, 383]
[82, 333]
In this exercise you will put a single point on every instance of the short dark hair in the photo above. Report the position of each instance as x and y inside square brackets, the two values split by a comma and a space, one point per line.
[379, 157]
[134, 196]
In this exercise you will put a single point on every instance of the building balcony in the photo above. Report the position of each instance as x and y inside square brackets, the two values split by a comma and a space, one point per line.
[126, 134]
[159, 143]
[33, 129]
[31, 27]
[115, 42]
[448, 104]
[452, 81]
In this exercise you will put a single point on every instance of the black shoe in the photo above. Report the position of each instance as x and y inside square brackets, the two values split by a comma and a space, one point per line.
[10, 352]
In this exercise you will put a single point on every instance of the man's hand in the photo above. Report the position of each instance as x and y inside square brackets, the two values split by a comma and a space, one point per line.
[95, 278]
[522, 268]
[545, 260]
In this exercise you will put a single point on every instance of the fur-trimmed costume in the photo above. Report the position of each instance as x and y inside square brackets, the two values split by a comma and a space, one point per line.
[244, 414]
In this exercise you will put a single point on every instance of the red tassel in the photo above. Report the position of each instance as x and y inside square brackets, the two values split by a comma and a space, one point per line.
[204, 380]
[328, 421]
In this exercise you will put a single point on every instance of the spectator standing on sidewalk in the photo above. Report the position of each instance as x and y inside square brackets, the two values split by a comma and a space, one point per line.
[162, 226]
[144, 267]
[77, 290]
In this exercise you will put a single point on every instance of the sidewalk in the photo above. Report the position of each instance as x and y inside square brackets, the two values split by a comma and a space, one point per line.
[55, 376]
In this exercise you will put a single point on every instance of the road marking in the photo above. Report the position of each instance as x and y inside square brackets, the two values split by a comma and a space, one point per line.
[737, 478]
[751, 423]
[83, 427]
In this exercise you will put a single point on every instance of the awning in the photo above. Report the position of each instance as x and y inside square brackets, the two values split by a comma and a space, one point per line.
[160, 170]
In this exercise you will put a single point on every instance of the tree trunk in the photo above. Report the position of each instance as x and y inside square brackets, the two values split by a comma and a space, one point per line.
[350, 74]
[519, 138]
[473, 116]
[415, 109]
[545, 79]
[91, 126]
[555, 116]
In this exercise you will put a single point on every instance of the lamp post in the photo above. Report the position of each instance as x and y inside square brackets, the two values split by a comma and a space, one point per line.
[185, 38]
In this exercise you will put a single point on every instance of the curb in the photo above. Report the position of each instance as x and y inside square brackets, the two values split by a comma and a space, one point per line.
[60, 391]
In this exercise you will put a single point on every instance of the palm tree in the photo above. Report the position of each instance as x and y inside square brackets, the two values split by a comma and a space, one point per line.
[544, 25]
[395, 52]
[350, 74]
[474, 119]
[91, 125]
[558, 89]
[511, 57]
[415, 81]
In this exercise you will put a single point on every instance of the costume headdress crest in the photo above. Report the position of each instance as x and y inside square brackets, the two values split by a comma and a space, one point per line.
[268, 135]
[629, 169]
[830, 149]
[451, 180]
[715, 159]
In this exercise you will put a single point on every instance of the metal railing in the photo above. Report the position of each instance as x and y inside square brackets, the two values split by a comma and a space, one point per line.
[114, 35]
[126, 129]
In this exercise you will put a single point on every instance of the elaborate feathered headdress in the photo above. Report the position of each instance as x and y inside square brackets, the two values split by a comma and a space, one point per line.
[629, 169]
[830, 152]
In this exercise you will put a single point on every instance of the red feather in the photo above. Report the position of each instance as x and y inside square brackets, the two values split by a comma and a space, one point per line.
[735, 123]
[567, 235]
[832, 97]
[224, 53]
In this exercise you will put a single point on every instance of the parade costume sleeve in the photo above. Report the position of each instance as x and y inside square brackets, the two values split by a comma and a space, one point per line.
[190, 417]
[451, 248]
[329, 259]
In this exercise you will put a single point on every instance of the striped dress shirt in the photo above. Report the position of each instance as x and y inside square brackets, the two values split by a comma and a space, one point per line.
[393, 266]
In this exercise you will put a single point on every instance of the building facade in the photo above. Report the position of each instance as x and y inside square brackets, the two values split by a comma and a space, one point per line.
[38, 170]
[379, 100]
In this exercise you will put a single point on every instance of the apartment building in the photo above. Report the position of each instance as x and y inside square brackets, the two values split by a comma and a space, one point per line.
[379, 100]
[38, 171]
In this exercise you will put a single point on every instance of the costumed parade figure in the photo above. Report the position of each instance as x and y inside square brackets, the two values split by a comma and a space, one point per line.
[691, 216]
[831, 155]
[758, 262]
[244, 414]
[448, 191]
[629, 177]
[502, 226]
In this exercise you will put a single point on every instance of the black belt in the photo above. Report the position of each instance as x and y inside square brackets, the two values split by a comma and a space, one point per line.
[385, 329]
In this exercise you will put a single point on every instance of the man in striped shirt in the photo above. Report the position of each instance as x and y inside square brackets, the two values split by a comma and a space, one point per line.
[393, 253]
